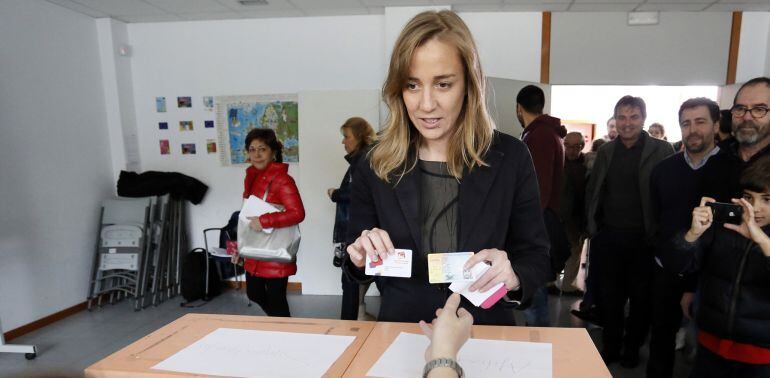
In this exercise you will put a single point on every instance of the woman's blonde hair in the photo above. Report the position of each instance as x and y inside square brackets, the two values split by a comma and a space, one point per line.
[472, 135]
[361, 130]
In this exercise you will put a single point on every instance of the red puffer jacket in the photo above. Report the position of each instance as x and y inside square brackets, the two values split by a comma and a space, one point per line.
[282, 191]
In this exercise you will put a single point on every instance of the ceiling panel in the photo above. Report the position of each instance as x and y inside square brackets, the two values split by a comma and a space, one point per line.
[271, 5]
[609, 1]
[330, 4]
[210, 16]
[739, 7]
[672, 7]
[79, 8]
[477, 7]
[268, 13]
[535, 7]
[602, 7]
[336, 11]
[470, 2]
[138, 19]
[536, 2]
[123, 7]
[389, 3]
[189, 6]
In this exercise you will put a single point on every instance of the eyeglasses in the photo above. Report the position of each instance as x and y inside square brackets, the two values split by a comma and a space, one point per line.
[740, 111]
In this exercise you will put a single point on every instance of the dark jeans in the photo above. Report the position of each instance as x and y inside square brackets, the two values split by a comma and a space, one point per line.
[667, 290]
[710, 365]
[624, 263]
[351, 291]
[268, 293]
[592, 292]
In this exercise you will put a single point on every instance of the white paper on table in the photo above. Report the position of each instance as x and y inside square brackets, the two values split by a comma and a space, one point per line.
[478, 358]
[254, 207]
[250, 353]
[475, 297]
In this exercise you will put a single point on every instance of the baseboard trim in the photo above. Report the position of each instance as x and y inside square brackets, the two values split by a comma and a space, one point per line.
[294, 287]
[42, 322]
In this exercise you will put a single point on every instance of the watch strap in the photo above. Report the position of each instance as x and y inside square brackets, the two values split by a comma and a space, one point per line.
[443, 362]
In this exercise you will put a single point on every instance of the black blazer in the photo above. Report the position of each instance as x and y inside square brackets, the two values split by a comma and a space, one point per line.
[499, 208]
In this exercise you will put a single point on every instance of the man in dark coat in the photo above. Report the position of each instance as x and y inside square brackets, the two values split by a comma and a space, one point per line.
[543, 136]
[621, 225]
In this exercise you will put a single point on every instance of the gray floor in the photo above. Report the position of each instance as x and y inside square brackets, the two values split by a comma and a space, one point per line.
[67, 347]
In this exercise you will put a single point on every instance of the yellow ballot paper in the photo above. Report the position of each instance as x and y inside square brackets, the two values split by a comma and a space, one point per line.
[448, 267]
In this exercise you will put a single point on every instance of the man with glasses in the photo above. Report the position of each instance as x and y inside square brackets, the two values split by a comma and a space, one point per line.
[750, 139]
[572, 207]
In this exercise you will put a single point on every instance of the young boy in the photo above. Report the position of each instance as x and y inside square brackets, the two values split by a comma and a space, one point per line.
[733, 315]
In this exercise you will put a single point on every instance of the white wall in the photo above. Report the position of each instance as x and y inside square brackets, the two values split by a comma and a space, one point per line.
[509, 43]
[753, 50]
[259, 57]
[54, 158]
[599, 48]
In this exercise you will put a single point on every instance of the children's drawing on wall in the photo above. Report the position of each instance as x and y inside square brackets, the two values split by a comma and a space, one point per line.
[237, 115]
[211, 146]
[185, 125]
[188, 148]
[208, 124]
[184, 102]
[165, 147]
[208, 103]
[160, 104]
[163, 125]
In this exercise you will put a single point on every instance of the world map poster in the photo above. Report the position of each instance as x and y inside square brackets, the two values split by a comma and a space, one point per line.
[237, 115]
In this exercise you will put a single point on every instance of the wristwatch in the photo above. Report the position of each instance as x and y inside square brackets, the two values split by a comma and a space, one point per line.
[442, 362]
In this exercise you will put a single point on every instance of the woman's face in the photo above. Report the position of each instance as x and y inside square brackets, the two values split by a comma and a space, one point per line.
[349, 141]
[435, 91]
[260, 154]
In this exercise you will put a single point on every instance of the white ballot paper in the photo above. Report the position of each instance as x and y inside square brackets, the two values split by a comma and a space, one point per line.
[254, 207]
[249, 353]
[478, 358]
[478, 298]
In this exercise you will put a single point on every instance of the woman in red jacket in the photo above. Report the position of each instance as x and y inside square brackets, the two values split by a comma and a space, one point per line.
[266, 281]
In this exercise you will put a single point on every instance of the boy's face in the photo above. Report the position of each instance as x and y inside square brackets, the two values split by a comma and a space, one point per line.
[761, 203]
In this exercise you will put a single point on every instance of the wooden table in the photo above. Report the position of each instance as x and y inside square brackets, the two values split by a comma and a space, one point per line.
[137, 359]
[574, 354]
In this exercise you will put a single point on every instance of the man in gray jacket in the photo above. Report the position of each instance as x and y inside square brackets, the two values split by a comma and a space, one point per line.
[621, 224]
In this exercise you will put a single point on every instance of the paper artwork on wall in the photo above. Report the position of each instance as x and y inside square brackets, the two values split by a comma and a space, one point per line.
[163, 125]
[208, 103]
[165, 147]
[185, 125]
[184, 102]
[237, 115]
[188, 148]
[208, 124]
[211, 146]
[160, 104]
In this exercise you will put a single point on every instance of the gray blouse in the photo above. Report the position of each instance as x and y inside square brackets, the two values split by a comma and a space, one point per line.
[439, 210]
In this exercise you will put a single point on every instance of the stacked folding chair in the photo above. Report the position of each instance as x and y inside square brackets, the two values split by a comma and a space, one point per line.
[137, 254]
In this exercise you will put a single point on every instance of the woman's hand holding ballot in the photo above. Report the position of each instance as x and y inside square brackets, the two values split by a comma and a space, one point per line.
[500, 271]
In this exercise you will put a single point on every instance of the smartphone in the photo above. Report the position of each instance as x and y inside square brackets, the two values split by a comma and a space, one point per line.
[726, 212]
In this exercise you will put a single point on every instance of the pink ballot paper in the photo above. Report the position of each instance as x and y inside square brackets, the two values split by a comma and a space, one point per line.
[485, 299]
